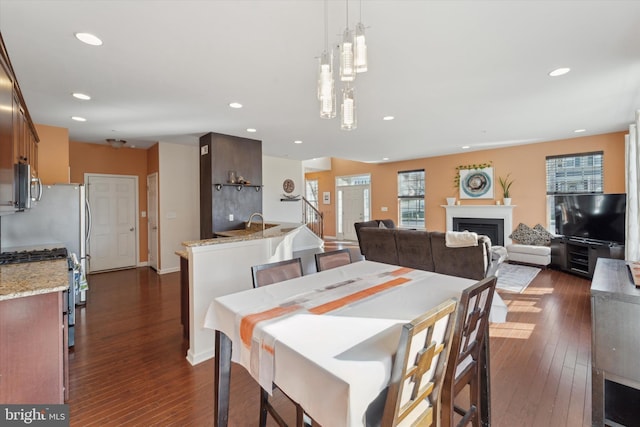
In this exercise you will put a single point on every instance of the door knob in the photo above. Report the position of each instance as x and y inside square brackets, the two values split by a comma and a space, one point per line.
[154, 228]
[131, 229]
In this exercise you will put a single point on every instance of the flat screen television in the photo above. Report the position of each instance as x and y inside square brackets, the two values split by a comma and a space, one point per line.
[598, 217]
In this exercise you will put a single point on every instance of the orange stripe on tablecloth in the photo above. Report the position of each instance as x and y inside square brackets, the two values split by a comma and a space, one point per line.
[400, 271]
[249, 322]
[341, 302]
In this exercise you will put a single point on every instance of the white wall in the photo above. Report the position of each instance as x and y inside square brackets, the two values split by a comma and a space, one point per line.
[179, 199]
[274, 171]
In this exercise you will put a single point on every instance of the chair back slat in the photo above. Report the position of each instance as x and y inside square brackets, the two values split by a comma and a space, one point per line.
[332, 259]
[267, 274]
[416, 376]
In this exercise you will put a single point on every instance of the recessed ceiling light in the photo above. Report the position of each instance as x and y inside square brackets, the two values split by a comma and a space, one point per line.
[559, 72]
[297, 141]
[252, 130]
[88, 39]
[385, 158]
[235, 105]
[465, 147]
[580, 130]
[78, 119]
[387, 118]
[82, 96]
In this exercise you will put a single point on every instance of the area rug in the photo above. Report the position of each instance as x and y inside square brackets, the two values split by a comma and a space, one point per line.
[515, 278]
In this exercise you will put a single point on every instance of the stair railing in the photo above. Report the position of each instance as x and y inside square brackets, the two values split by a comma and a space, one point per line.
[312, 217]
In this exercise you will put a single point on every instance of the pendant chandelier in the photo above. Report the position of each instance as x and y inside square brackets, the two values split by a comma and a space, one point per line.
[353, 60]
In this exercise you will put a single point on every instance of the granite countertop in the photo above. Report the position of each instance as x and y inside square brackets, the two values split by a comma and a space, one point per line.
[230, 236]
[33, 278]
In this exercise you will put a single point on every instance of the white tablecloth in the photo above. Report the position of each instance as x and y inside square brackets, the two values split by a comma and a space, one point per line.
[333, 364]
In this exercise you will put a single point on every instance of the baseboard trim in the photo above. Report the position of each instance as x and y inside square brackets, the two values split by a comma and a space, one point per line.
[168, 270]
[196, 359]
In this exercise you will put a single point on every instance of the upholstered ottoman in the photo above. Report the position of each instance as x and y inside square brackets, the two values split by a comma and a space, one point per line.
[529, 254]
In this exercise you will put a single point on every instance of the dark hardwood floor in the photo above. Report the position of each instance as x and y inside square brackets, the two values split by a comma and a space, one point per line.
[129, 368]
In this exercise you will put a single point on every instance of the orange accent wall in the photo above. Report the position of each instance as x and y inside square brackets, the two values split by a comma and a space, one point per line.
[53, 154]
[97, 158]
[526, 163]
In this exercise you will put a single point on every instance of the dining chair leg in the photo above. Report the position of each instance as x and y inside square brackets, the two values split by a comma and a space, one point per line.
[484, 379]
[263, 408]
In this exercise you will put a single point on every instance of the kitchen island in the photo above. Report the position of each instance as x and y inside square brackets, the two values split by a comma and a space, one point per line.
[222, 266]
[33, 351]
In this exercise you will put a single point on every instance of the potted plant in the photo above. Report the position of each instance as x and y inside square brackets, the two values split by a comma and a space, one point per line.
[506, 183]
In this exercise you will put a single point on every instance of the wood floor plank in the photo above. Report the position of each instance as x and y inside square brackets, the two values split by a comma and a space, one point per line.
[129, 366]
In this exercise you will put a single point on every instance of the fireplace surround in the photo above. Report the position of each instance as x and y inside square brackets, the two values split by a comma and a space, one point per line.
[466, 212]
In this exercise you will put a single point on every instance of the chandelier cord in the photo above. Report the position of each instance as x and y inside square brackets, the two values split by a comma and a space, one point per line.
[326, 25]
[347, 5]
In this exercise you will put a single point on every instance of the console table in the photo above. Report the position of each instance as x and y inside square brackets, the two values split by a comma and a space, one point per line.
[615, 369]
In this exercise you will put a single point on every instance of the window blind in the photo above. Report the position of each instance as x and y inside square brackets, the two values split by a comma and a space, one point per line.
[575, 173]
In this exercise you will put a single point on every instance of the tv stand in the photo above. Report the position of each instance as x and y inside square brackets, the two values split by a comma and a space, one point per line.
[578, 255]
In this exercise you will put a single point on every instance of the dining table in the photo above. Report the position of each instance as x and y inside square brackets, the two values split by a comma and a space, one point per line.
[327, 339]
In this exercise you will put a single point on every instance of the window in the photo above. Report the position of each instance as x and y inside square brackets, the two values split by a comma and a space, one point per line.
[574, 174]
[312, 192]
[411, 198]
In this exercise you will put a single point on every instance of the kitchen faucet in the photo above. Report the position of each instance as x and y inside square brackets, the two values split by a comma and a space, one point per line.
[251, 219]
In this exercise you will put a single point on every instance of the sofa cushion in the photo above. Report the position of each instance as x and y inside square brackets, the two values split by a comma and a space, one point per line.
[529, 249]
[377, 223]
[470, 262]
[378, 244]
[414, 249]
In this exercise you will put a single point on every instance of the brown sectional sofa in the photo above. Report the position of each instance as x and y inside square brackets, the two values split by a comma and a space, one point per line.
[425, 250]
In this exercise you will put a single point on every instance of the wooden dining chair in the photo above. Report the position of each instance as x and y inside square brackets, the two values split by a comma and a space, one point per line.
[465, 359]
[263, 275]
[413, 394]
[332, 259]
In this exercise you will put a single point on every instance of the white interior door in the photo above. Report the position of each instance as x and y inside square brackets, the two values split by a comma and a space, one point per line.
[152, 219]
[352, 209]
[114, 233]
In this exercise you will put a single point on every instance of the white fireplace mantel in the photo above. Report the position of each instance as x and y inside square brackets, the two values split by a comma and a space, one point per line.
[503, 212]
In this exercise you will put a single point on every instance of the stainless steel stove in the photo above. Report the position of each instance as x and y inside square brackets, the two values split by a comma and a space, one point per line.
[16, 257]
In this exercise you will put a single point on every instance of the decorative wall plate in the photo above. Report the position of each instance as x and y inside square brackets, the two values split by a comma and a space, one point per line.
[476, 183]
[288, 186]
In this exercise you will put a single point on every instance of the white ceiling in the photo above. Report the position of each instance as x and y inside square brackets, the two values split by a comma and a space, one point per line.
[453, 73]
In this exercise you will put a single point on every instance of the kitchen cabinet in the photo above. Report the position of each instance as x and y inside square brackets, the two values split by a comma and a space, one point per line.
[7, 187]
[32, 351]
[18, 136]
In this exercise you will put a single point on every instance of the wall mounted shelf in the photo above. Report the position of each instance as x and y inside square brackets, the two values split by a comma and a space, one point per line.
[239, 187]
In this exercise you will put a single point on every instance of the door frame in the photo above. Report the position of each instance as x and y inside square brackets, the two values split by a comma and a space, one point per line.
[156, 209]
[337, 187]
[87, 175]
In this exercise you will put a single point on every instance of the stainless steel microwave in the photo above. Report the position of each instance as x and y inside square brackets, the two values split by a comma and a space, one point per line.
[27, 188]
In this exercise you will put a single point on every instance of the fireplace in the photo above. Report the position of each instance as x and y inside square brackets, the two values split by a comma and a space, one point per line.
[492, 227]
[482, 212]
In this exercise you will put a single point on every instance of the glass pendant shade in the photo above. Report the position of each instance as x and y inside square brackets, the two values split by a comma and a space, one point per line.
[347, 70]
[326, 86]
[348, 118]
[360, 49]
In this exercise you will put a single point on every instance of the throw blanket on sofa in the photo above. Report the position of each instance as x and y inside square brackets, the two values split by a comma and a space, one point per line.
[461, 239]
